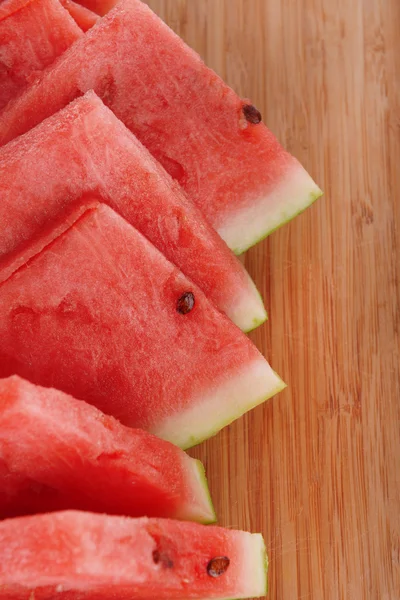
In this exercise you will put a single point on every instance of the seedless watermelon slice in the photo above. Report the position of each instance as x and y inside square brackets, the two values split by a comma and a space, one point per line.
[84, 17]
[57, 452]
[32, 34]
[101, 314]
[71, 554]
[211, 141]
[84, 148]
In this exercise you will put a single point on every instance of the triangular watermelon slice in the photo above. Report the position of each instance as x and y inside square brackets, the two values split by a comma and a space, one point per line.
[101, 314]
[32, 34]
[85, 148]
[211, 141]
[83, 17]
[57, 453]
[71, 555]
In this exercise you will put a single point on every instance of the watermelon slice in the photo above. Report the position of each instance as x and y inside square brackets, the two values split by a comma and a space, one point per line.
[207, 138]
[76, 555]
[84, 17]
[32, 34]
[57, 452]
[84, 148]
[101, 314]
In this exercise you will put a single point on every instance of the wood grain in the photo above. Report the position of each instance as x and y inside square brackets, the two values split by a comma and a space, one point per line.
[317, 468]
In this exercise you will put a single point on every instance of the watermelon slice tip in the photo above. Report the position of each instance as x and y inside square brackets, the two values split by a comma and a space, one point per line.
[249, 312]
[254, 223]
[226, 405]
[206, 514]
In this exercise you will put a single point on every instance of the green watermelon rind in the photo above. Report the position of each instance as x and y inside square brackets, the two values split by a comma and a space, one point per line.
[256, 323]
[286, 218]
[266, 566]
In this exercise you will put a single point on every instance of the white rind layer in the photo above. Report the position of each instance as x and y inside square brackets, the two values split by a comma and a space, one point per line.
[249, 312]
[251, 386]
[255, 565]
[260, 218]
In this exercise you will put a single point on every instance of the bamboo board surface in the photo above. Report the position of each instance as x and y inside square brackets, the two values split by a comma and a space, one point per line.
[317, 469]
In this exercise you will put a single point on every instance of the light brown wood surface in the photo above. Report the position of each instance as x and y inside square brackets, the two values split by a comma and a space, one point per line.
[317, 469]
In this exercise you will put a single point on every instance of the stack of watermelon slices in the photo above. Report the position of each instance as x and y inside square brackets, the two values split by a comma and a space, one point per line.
[128, 174]
[33, 33]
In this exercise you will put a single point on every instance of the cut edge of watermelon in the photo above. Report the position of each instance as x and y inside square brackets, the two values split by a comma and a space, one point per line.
[251, 386]
[204, 512]
[294, 194]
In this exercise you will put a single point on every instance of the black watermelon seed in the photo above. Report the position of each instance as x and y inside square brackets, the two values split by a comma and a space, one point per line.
[185, 303]
[252, 114]
[218, 566]
[161, 557]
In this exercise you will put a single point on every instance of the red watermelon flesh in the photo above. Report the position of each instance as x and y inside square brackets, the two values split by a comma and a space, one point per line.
[84, 17]
[230, 165]
[33, 33]
[57, 452]
[85, 148]
[77, 556]
[101, 7]
[101, 314]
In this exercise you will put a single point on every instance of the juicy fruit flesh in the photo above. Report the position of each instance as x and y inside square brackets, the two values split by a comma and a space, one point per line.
[101, 7]
[50, 31]
[229, 167]
[95, 315]
[57, 452]
[45, 173]
[286, 214]
[101, 556]
[83, 17]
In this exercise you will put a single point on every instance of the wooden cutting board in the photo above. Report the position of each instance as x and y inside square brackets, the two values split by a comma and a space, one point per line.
[317, 469]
